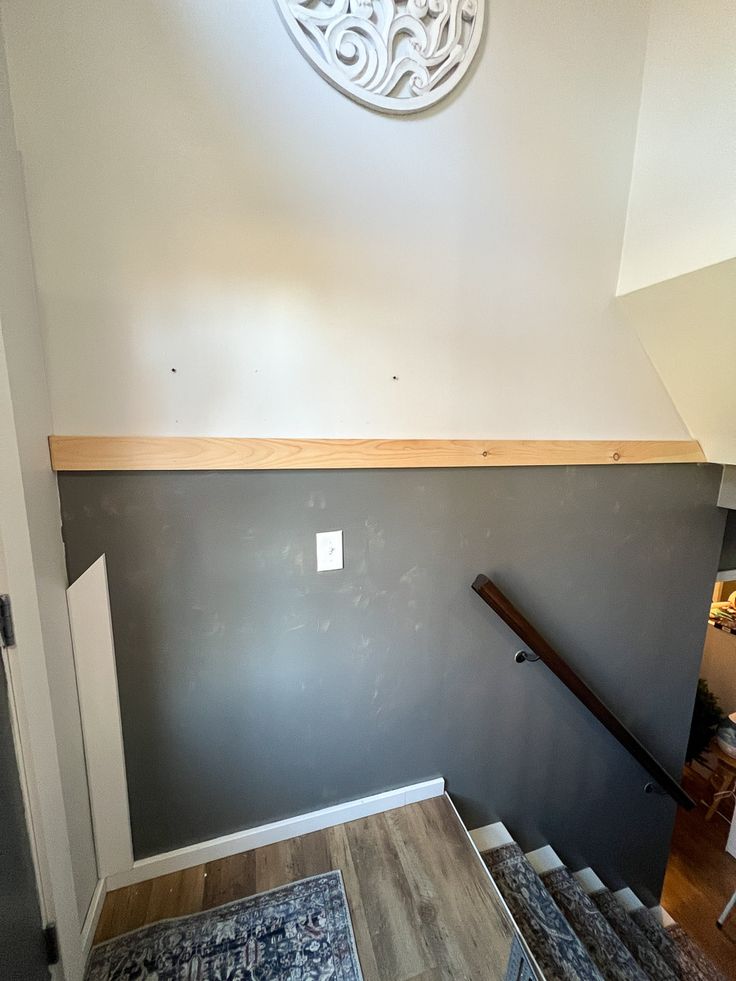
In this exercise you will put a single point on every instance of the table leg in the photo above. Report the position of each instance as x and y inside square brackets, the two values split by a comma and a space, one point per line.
[727, 781]
[721, 921]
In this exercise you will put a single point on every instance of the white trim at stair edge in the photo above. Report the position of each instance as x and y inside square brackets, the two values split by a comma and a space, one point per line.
[268, 834]
[481, 834]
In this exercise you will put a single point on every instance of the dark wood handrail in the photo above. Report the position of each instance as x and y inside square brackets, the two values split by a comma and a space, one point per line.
[502, 605]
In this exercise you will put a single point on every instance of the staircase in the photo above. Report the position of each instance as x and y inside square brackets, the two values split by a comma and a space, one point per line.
[574, 927]
[577, 929]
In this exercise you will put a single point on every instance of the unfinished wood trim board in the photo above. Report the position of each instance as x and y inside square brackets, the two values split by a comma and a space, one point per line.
[225, 453]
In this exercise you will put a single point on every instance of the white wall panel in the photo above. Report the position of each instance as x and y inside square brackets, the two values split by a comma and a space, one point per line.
[682, 212]
[686, 325]
[94, 655]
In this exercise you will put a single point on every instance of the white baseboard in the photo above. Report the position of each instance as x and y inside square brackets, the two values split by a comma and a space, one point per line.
[93, 915]
[268, 834]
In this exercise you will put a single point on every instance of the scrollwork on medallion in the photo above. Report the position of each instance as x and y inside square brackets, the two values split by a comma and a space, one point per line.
[393, 55]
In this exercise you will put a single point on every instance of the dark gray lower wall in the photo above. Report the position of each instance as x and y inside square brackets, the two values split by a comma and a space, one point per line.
[254, 688]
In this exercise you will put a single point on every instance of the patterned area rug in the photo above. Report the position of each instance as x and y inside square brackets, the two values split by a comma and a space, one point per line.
[298, 932]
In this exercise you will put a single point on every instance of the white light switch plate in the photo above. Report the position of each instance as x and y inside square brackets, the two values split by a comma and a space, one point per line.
[329, 550]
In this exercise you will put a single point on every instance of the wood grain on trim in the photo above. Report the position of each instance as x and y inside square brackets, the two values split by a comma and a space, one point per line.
[225, 453]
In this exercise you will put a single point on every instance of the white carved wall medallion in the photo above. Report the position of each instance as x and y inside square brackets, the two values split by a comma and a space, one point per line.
[397, 56]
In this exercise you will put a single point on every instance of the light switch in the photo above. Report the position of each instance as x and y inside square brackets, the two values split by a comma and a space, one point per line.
[329, 550]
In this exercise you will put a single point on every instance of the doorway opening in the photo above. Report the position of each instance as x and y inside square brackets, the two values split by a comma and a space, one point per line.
[701, 872]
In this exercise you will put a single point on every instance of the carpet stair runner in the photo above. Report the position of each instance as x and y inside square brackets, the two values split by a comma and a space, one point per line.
[683, 956]
[578, 930]
[611, 956]
[647, 957]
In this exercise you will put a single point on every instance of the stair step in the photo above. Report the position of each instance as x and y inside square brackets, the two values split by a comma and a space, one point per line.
[589, 881]
[663, 916]
[675, 946]
[557, 949]
[612, 957]
[629, 900]
[544, 860]
[644, 952]
[491, 836]
[577, 929]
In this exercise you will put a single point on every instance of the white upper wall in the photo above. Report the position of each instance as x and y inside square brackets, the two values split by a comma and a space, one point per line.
[682, 211]
[201, 200]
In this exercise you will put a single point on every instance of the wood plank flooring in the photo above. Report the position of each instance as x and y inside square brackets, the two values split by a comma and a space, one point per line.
[701, 877]
[422, 907]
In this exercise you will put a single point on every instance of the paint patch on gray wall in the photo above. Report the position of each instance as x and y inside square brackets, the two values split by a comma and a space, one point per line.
[727, 494]
[254, 688]
[728, 551]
